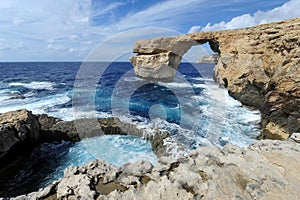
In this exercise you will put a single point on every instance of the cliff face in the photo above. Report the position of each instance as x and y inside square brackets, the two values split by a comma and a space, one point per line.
[260, 66]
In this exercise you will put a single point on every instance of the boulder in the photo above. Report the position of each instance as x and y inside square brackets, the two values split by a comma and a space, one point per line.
[16, 129]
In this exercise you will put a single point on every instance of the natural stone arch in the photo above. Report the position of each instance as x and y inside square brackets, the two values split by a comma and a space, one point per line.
[159, 58]
[260, 66]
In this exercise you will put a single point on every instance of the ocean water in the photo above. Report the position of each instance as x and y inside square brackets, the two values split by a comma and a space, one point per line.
[193, 108]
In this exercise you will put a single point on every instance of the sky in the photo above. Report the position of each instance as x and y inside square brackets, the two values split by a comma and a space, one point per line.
[68, 30]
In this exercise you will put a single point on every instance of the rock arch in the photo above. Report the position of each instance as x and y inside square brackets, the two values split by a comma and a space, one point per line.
[158, 59]
[260, 66]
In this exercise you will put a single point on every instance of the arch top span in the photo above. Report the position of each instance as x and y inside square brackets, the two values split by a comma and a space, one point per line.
[255, 64]
[158, 59]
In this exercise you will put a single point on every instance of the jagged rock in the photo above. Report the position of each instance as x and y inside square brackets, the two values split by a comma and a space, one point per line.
[44, 193]
[138, 168]
[17, 128]
[77, 186]
[209, 59]
[260, 66]
[265, 170]
[21, 125]
[54, 129]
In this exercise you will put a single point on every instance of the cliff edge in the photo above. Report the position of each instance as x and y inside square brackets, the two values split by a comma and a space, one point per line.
[260, 66]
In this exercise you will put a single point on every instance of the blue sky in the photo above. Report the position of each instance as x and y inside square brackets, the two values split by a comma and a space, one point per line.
[67, 30]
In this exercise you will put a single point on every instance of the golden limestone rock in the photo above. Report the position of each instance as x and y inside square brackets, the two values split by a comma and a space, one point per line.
[260, 66]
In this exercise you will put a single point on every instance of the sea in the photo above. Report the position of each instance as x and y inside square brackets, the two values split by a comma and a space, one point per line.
[193, 108]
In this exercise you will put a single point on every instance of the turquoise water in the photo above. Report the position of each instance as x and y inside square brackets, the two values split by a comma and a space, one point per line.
[192, 108]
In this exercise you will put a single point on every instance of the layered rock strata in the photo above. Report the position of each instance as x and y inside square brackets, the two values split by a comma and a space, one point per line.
[260, 66]
[265, 170]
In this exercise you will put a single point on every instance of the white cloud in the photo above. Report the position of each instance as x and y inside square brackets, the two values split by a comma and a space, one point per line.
[286, 11]
[194, 29]
[56, 47]
[21, 45]
[67, 26]
[159, 14]
[107, 9]
[86, 43]
[72, 50]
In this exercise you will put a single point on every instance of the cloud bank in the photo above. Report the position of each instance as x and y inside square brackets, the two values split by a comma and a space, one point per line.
[291, 9]
[70, 29]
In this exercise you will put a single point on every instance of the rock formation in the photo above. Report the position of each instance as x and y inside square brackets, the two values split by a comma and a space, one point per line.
[265, 170]
[54, 129]
[16, 129]
[209, 59]
[21, 131]
[260, 66]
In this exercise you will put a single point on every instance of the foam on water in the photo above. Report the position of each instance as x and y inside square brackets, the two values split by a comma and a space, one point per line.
[36, 105]
[114, 149]
[35, 85]
[176, 84]
[68, 114]
[222, 119]
[122, 149]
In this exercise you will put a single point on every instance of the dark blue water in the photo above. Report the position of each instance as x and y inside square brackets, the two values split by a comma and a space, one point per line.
[193, 108]
[192, 101]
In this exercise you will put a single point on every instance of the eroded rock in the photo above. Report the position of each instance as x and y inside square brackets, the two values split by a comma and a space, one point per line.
[265, 170]
[16, 129]
[260, 66]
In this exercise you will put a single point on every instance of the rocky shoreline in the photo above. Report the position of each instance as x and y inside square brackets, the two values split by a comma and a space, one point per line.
[21, 129]
[260, 67]
[21, 132]
[266, 169]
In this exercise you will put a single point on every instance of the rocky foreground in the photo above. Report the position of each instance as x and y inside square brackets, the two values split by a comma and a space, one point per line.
[21, 132]
[265, 170]
[260, 66]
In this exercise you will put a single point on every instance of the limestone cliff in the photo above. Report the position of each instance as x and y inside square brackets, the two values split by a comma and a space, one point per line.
[260, 66]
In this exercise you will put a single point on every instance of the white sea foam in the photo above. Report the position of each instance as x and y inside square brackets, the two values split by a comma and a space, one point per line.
[226, 120]
[132, 78]
[122, 149]
[176, 84]
[202, 79]
[37, 106]
[223, 118]
[69, 114]
[35, 85]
